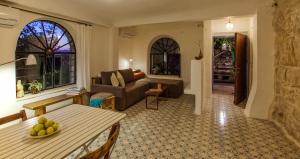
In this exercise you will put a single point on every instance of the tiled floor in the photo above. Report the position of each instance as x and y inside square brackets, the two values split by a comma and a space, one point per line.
[223, 88]
[175, 132]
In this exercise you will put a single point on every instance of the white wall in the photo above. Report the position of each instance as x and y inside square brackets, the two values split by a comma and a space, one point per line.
[241, 24]
[125, 52]
[207, 58]
[9, 36]
[100, 56]
[187, 35]
[262, 91]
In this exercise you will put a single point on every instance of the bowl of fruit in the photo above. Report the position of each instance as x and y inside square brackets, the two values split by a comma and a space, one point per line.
[44, 128]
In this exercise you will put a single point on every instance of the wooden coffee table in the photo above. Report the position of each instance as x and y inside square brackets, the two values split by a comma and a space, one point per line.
[155, 93]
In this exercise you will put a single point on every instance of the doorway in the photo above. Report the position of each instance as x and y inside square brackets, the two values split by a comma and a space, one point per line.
[230, 66]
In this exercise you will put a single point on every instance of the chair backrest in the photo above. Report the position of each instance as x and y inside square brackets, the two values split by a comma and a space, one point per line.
[104, 150]
[10, 118]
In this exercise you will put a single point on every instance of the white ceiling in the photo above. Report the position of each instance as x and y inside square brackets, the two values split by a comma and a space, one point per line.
[132, 12]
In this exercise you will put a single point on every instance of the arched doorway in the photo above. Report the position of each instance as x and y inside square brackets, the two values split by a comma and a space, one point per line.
[165, 57]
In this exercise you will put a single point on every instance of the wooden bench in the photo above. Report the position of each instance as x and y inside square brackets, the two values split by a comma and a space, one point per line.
[40, 106]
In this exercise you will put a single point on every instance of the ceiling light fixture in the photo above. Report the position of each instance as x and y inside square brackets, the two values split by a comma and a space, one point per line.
[229, 25]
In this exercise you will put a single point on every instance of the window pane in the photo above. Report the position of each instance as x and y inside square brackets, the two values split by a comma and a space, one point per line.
[54, 50]
[28, 74]
[165, 57]
[28, 42]
[66, 48]
[58, 33]
[49, 30]
[64, 69]
[63, 45]
[37, 28]
[48, 79]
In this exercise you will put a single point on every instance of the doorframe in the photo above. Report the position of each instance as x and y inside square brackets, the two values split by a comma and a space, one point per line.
[229, 34]
[208, 59]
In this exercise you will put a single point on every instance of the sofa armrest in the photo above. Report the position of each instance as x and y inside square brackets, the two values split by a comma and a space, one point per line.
[116, 91]
[96, 80]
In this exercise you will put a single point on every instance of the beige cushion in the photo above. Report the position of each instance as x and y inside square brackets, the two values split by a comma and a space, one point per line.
[121, 79]
[101, 95]
[114, 80]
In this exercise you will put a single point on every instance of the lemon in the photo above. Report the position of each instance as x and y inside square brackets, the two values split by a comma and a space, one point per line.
[50, 130]
[55, 126]
[33, 132]
[42, 120]
[42, 133]
[38, 127]
[49, 123]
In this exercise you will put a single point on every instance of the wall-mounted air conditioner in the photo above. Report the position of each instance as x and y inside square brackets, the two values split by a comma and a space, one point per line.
[9, 17]
[128, 32]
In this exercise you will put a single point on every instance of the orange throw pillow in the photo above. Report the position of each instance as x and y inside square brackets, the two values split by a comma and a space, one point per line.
[139, 75]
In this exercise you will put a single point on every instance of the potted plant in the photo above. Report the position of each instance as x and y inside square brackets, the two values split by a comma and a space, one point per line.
[156, 69]
[35, 87]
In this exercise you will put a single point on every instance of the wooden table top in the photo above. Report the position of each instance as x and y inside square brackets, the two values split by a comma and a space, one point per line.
[153, 93]
[79, 125]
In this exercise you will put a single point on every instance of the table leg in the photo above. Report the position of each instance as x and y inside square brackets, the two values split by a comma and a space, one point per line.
[146, 102]
[157, 102]
[156, 97]
[78, 100]
[113, 103]
[40, 111]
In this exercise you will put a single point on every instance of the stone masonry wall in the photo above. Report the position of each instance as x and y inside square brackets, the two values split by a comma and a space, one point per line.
[286, 105]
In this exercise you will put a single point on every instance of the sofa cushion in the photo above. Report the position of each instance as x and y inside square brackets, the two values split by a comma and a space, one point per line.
[135, 91]
[135, 85]
[114, 80]
[136, 71]
[127, 75]
[121, 79]
[174, 87]
[105, 77]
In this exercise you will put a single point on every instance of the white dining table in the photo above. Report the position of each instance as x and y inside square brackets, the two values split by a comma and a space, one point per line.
[79, 125]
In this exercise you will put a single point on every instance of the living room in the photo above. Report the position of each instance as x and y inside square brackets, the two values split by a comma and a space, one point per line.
[152, 64]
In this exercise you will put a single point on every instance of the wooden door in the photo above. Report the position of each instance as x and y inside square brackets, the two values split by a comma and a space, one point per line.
[240, 90]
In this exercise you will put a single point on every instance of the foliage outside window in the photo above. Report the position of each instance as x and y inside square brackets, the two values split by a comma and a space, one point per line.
[165, 57]
[54, 49]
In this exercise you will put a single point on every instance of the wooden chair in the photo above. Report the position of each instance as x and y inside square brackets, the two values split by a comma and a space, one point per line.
[21, 115]
[104, 150]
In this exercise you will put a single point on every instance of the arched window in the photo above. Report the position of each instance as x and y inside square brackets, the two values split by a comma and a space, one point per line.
[165, 57]
[54, 49]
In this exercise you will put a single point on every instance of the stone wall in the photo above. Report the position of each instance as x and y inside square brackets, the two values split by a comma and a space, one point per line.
[286, 106]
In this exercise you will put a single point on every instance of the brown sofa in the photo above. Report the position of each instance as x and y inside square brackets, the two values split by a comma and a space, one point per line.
[134, 91]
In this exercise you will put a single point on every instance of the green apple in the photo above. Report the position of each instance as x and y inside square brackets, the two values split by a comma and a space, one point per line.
[55, 126]
[50, 130]
[38, 127]
[42, 133]
[42, 120]
[33, 132]
[49, 123]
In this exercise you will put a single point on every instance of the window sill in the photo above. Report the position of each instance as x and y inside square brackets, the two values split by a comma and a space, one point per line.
[61, 90]
[174, 77]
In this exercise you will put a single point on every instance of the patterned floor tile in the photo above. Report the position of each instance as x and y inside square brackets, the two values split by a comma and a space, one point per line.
[175, 132]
